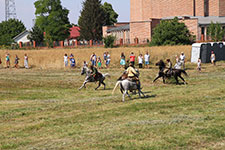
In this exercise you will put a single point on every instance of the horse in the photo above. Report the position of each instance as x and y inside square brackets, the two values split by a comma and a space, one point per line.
[174, 72]
[127, 85]
[90, 78]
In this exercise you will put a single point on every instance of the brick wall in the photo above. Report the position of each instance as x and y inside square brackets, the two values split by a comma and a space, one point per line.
[222, 8]
[214, 7]
[192, 25]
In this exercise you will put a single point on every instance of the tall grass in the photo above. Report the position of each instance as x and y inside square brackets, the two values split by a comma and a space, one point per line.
[53, 58]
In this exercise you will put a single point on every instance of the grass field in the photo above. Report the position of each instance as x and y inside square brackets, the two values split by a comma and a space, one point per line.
[43, 109]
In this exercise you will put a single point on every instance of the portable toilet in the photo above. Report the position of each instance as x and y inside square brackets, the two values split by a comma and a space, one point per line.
[196, 52]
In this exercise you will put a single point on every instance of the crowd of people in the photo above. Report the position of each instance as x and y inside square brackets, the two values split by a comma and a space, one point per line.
[16, 62]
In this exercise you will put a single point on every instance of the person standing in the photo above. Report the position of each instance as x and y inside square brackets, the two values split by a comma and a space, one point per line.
[26, 61]
[132, 58]
[108, 59]
[147, 60]
[213, 58]
[16, 62]
[72, 61]
[93, 59]
[182, 59]
[122, 60]
[7, 59]
[140, 61]
[99, 63]
[65, 60]
[199, 65]
[0, 62]
[104, 57]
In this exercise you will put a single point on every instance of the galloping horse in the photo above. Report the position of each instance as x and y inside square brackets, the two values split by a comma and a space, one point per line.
[174, 72]
[90, 78]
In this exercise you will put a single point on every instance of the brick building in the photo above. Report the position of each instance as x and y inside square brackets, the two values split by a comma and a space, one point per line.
[196, 14]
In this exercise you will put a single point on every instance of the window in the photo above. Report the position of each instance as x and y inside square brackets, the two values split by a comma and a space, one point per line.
[206, 8]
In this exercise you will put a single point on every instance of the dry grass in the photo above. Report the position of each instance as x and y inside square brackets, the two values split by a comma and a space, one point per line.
[53, 58]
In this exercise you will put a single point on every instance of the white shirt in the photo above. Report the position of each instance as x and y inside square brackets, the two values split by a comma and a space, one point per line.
[147, 57]
[177, 65]
[182, 57]
[65, 58]
[140, 59]
[108, 57]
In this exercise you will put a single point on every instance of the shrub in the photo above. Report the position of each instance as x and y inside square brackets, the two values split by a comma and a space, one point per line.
[109, 41]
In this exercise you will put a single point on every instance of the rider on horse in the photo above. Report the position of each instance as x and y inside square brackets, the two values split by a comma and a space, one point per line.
[95, 74]
[169, 67]
[132, 74]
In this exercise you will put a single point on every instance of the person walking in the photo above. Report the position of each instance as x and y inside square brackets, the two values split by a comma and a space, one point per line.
[140, 61]
[16, 62]
[147, 60]
[108, 59]
[26, 61]
[7, 59]
[199, 68]
[213, 58]
[182, 59]
[122, 60]
[72, 61]
[132, 58]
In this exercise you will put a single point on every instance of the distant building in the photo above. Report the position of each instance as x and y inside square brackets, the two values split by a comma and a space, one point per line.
[22, 37]
[74, 35]
[196, 14]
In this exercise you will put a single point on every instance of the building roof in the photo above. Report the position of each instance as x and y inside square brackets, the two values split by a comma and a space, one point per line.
[22, 34]
[74, 32]
[201, 20]
[120, 28]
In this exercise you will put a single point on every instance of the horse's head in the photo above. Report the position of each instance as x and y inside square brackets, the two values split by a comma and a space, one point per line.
[160, 63]
[84, 70]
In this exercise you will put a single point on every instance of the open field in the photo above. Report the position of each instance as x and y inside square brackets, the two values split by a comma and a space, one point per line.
[53, 58]
[43, 109]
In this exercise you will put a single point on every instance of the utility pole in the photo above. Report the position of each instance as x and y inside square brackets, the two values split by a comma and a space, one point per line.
[10, 9]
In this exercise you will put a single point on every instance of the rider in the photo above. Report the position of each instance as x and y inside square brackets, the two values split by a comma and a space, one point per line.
[94, 72]
[169, 67]
[132, 74]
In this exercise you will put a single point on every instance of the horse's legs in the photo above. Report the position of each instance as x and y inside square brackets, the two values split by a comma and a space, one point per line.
[156, 78]
[164, 80]
[176, 78]
[124, 94]
[103, 84]
[85, 82]
[99, 84]
[182, 79]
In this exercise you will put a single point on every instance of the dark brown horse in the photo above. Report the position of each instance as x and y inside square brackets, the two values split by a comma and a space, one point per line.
[174, 72]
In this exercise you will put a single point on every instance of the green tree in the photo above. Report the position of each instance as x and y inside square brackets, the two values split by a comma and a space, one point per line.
[36, 34]
[110, 15]
[215, 32]
[53, 19]
[171, 32]
[9, 29]
[109, 41]
[91, 20]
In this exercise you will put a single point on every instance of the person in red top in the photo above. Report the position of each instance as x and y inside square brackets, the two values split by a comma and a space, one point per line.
[132, 58]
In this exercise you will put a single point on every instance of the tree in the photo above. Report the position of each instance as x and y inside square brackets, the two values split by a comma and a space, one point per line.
[109, 41]
[216, 32]
[9, 29]
[110, 15]
[53, 19]
[91, 20]
[171, 32]
[36, 34]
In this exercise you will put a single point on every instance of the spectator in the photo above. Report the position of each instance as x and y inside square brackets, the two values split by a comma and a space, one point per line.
[85, 64]
[177, 58]
[72, 61]
[122, 60]
[99, 63]
[147, 60]
[213, 58]
[7, 58]
[108, 59]
[140, 61]
[26, 61]
[178, 64]
[199, 65]
[16, 62]
[127, 64]
[132, 58]
[0, 62]
[65, 60]
[104, 57]
[93, 59]
[182, 59]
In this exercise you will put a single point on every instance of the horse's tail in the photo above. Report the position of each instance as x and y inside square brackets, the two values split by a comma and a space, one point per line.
[184, 72]
[117, 83]
[106, 75]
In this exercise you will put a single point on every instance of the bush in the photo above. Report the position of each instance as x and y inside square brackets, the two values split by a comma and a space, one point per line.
[109, 41]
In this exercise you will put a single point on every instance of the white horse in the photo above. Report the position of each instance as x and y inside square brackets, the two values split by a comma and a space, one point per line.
[127, 85]
[90, 78]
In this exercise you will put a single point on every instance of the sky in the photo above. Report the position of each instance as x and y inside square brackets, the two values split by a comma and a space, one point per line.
[25, 10]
